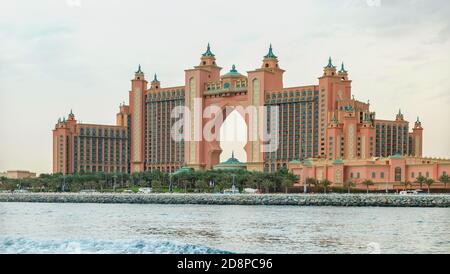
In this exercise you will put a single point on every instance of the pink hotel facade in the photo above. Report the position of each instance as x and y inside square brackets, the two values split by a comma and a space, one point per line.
[325, 133]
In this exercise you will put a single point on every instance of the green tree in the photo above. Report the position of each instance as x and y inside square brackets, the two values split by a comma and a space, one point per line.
[429, 182]
[445, 179]
[368, 183]
[405, 184]
[3, 180]
[349, 185]
[201, 185]
[311, 181]
[420, 180]
[267, 184]
[286, 183]
[325, 184]
[156, 186]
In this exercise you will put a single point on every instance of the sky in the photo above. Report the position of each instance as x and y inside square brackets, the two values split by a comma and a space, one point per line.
[57, 55]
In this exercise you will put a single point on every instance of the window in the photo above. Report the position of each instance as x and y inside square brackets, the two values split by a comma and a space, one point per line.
[412, 175]
[382, 175]
[373, 175]
[398, 174]
[428, 174]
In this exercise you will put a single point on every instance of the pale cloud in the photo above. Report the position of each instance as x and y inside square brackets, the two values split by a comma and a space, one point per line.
[56, 55]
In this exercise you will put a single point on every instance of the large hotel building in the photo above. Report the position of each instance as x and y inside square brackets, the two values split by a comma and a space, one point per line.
[324, 132]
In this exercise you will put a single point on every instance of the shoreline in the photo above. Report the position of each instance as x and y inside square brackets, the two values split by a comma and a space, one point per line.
[345, 200]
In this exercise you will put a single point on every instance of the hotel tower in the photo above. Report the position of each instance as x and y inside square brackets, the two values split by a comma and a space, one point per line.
[319, 123]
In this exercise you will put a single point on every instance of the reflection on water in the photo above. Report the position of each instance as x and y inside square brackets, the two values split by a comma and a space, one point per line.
[242, 229]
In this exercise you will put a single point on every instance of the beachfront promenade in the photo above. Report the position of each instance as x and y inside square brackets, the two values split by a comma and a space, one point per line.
[356, 200]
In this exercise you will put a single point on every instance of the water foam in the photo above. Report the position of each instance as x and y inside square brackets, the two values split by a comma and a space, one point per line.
[23, 245]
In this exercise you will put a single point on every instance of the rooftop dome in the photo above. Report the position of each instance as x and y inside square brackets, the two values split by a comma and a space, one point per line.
[233, 73]
[231, 163]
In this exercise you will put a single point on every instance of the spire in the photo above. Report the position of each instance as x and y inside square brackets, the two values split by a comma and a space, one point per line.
[418, 120]
[399, 111]
[334, 118]
[155, 78]
[232, 154]
[330, 63]
[208, 52]
[270, 53]
[139, 69]
[71, 116]
[343, 69]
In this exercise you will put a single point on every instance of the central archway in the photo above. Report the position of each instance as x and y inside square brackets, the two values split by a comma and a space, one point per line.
[233, 137]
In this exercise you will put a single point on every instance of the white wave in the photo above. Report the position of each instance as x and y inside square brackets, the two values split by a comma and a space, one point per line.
[21, 245]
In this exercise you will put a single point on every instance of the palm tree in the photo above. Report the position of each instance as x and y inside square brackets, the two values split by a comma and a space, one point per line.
[325, 183]
[316, 185]
[406, 184]
[349, 184]
[267, 183]
[286, 182]
[429, 182]
[445, 179]
[201, 185]
[420, 180]
[368, 183]
[311, 181]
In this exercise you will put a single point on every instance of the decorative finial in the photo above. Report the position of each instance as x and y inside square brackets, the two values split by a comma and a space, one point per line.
[330, 63]
[208, 51]
[155, 78]
[334, 118]
[232, 154]
[270, 54]
[343, 68]
[418, 121]
[139, 69]
[233, 68]
[71, 113]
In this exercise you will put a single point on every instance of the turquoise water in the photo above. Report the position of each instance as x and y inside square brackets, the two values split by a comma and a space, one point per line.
[126, 228]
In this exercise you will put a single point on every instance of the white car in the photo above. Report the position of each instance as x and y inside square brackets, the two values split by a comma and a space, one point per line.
[409, 192]
[145, 190]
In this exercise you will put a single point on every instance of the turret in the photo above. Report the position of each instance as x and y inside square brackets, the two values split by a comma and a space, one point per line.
[417, 138]
[208, 58]
[329, 69]
[343, 73]
[418, 124]
[399, 116]
[139, 74]
[155, 83]
[137, 104]
[270, 60]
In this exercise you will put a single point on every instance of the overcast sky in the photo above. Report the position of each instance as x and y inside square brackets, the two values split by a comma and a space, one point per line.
[81, 54]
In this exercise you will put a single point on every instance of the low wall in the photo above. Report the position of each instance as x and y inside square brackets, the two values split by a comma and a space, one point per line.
[378, 200]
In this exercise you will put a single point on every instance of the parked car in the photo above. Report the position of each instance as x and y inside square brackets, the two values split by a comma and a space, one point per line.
[88, 191]
[145, 190]
[409, 192]
[21, 191]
